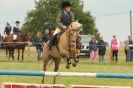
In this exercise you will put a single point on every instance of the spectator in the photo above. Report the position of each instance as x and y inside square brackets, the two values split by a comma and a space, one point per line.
[114, 48]
[45, 36]
[48, 34]
[126, 48]
[130, 51]
[101, 49]
[93, 47]
[38, 43]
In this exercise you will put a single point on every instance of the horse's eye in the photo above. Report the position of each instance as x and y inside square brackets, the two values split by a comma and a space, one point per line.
[71, 26]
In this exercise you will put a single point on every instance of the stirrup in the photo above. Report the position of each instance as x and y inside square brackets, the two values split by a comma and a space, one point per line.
[49, 46]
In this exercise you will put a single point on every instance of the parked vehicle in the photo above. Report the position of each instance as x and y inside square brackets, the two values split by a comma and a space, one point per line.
[85, 45]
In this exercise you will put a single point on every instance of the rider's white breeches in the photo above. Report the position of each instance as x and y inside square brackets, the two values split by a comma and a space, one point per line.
[14, 37]
[57, 30]
[4, 36]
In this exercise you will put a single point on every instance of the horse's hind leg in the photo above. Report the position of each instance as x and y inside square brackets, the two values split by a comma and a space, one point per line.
[6, 52]
[18, 53]
[45, 62]
[9, 55]
[12, 54]
[57, 63]
[22, 54]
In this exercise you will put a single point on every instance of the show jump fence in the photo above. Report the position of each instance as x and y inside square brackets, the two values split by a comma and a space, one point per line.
[73, 74]
[65, 74]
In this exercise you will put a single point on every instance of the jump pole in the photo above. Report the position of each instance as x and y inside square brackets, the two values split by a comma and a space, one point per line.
[65, 74]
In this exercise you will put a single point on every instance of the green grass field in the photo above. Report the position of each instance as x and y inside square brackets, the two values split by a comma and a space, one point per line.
[85, 65]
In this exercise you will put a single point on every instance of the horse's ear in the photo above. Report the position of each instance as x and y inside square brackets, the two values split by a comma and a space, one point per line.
[77, 20]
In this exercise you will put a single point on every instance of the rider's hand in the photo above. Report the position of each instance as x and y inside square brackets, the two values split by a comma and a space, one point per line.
[64, 27]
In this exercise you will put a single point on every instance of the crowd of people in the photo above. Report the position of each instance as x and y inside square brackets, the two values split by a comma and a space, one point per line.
[114, 47]
[101, 45]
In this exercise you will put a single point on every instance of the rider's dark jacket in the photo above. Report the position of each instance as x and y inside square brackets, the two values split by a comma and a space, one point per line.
[16, 30]
[64, 18]
[7, 30]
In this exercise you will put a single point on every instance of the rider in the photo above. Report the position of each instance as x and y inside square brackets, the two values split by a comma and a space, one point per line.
[16, 30]
[8, 29]
[64, 19]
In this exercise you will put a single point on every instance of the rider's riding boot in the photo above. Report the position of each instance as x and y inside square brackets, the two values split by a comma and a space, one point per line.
[50, 42]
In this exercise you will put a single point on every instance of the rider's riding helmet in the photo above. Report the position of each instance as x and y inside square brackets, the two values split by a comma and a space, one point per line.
[17, 22]
[65, 4]
[8, 23]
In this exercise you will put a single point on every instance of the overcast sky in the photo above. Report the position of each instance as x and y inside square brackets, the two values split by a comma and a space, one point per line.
[112, 16]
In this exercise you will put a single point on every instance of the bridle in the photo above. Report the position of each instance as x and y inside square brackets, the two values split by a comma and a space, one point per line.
[68, 37]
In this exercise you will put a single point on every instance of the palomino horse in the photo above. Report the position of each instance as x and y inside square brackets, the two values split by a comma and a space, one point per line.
[66, 47]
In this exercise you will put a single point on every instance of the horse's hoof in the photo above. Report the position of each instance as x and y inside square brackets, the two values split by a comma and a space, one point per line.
[74, 64]
[69, 62]
[67, 66]
[77, 60]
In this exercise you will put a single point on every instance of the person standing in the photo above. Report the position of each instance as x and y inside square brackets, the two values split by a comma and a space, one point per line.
[39, 43]
[114, 48]
[101, 49]
[48, 34]
[126, 47]
[130, 49]
[93, 47]
[45, 36]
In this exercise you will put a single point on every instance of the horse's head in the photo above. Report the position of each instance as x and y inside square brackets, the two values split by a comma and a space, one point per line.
[73, 30]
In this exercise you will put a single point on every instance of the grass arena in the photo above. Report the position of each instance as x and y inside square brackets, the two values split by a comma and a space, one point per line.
[85, 65]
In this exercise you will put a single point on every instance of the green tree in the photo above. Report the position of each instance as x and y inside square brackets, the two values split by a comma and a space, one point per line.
[45, 13]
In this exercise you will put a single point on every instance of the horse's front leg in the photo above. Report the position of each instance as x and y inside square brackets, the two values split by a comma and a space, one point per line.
[76, 59]
[66, 54]
[18, 53]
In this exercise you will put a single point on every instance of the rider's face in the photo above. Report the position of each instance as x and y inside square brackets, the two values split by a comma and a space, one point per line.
[17, 24]
[68, 9]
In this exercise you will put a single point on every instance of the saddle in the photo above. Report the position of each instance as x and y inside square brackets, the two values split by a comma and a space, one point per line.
[56, 39]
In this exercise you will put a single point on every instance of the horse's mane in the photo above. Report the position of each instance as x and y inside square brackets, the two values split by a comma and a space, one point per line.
[75, 26]
[23, 36]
